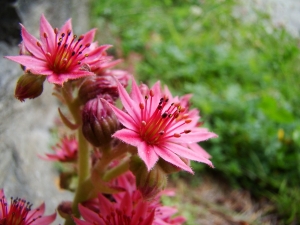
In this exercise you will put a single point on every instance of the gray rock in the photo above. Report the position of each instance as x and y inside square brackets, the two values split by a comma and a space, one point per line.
[24, 127]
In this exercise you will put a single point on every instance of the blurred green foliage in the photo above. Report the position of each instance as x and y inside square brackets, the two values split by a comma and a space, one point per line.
[244, 73]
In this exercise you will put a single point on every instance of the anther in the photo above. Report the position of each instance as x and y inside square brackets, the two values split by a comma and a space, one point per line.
[142, 106]
[86, 55]
[185, 116]
[74, 36]
[88, 45]
[144, 123]
[151, 93]
[176, 135]
[56, 30]
[48, 54]
[176, 114]
[79, 62]
[188, 120]
[161, 132]
[146, 97]
[73, 53]
[38, 44]
[187, 131]
[164, 115]
[45, 35]
[63, 34]
[69, 32]
[80, 38]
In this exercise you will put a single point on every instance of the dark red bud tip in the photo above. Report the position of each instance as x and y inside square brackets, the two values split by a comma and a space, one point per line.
[29, 86]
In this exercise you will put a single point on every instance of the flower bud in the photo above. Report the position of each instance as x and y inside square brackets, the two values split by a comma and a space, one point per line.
[98, 85]
[169, 168]
[99, 122]
[149, 183]
[29, 86]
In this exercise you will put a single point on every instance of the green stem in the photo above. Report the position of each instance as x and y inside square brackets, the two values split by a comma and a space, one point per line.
[116, 171]
[83, 161]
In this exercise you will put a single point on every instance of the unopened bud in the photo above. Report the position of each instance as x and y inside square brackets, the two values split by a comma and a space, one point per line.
[169, 168]
[99, 122]
[65, 209]
[29, 86]
[96, 86]
[149, 183]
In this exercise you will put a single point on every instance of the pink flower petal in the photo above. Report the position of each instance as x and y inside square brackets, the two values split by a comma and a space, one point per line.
[67, 27]
[61, 78]
[123, 117]
[196, 148]
[81, 222]
[87, 214]
[128, 136]
[172, 158]
[131, 107]
[136, 93]
[28, 61]
[186, 153]
[45, 220]
[147, 154]
[30, 43]
[46, 28]
[193, 137]
[88, 37]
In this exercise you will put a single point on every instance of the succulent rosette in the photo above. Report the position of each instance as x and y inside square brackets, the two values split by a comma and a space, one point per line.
[60, 55]
[159, 127]
[19, 212]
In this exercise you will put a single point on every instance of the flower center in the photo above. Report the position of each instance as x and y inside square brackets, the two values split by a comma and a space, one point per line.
[164, 122]
[17, 212]
[67, 52]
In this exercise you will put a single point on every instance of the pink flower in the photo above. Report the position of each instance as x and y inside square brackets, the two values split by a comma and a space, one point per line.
[130, 210]
[158, 127]
[65, 151]
[60, 55]
[128, 207]
[19, 212]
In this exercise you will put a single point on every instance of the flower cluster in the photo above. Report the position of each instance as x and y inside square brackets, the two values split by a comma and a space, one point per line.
[127, 208]
[120, 153]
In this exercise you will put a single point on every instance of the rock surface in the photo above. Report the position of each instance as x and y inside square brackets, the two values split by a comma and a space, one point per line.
[24, 127]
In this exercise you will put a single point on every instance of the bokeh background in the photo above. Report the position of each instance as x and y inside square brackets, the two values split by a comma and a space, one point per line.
[240, 59]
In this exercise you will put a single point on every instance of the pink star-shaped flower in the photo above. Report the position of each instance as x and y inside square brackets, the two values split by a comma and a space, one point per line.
[159, 127]
[59, 54]
[19, 212]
